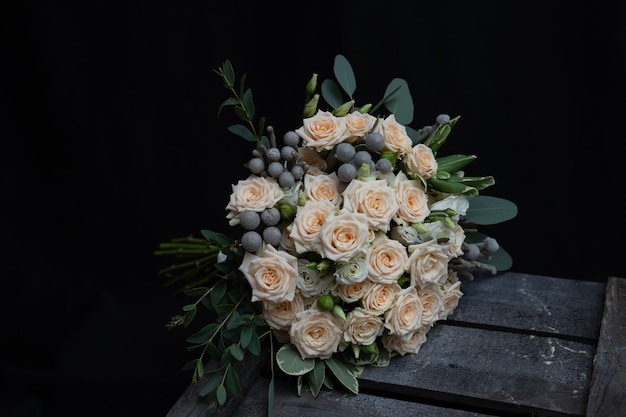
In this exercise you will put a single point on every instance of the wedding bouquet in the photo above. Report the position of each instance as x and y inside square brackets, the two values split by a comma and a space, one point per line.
[351, 237]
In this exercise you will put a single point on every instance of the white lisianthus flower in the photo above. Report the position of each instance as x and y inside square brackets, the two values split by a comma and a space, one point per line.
[436, 230]
[375, 198]
[362, 327]
[316, 333]
[323, 131]
[310, 282]
[458, 203]
[406, 235]
[271, 274]
[427, 263]
[354, 270]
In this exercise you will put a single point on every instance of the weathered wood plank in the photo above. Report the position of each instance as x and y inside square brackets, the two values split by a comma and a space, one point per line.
[486, 368]
[533, 302]
[607, 395]
[335, 404]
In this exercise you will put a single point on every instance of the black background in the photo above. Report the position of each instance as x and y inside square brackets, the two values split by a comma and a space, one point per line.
[111, 144]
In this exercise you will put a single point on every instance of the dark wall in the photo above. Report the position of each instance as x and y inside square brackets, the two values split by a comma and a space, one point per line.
[111, 144]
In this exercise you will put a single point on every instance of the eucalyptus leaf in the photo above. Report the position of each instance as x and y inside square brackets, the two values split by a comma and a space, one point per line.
[332, 93]
[241, 113]
[231, 381]
[254, 346]
[195, 292]
[242, 131]
[270, 396]
[344, 75]
[217, 293]
[217, 238]
[230, 101]
[211, 384]
[189, 317]
[228, 73]
[204, 334]
[246, 334]
[290, 362]
[237, 352]
[220, 394]
[344, 373]
[502, 260]
[189, 307]
[398, 101]
[316, 377]
[248, 103]
[487, 210]
[215, 353]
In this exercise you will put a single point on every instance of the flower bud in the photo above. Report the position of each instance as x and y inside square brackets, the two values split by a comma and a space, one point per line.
[286, 212]
[325, 302]
[311, 85]
[449, 222]
[365, 108]
[392, 156]
[338, 312]
[343, 109]
[311, 106]
[323, 267]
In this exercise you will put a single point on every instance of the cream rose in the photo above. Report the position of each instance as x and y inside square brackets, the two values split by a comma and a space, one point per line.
[376, 199]
[387, 260]
[280, 316]
[454, 247]
[323, 187]
[427, 263]
[307, 225]
[380, 297]
[271, 274]
[431, 297]
[343, 236]
[409, 343]
[254, 193]
[451, 295]
[412, 201]
[351, 293]
[396, 138]
[310, 282]
[405, 316]
[362, 327]
[315, 333]
[359, 124]
[323, 131]
[421, 161]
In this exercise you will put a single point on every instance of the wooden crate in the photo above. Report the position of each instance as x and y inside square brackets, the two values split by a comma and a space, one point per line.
[517, 345]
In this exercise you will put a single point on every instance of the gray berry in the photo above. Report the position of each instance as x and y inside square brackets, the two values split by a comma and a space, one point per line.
[292, 139]
[270, 216]
[374, 141]
[272, 235]
[251, 241]
[249, 220]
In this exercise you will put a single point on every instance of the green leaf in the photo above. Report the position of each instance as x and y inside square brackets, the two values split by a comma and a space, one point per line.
[214, 352]
[440, 134]
[331, 93]
[218, 292]
[237, 352]
[231, 101]
[480, 183]
[241, 113]
[344, 373]
[242, 131]
[196, 292]
[316, 377]
[220, 394]
[344, 75]
[228, 73]
[217, 238]
[452, 187]
[204, 334]
[248, 103]
[290, 362]
[270, 397]
[189, 317]
[189, 307]
[254, 346]
[502, 260]
[487, 210]
[211, 385]
[453, 163]
[398, 101]
[247, 332]
[232, 382]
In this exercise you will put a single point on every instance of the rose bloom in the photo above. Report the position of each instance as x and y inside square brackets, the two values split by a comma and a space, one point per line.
[271, 274]
[362, 327]
[323, 187]
[396, 138]
[315, 333]
[409, 343]
[431, 297]
[359, 124]
[286, 243]
[307, 225]
[343, 236]
[380, 297]
[387, 260]
[412, 201]
[323, 131]
[374, 198]
[454, 247]
[405, 316]
[421, 161]
[313, 160]
[351, 293]
[254, 193]
[427, 263]
[355, 270]
[310, 282]
[451, 295]
[280, 316]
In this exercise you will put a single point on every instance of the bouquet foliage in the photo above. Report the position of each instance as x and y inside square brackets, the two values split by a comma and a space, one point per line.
[352, 235]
